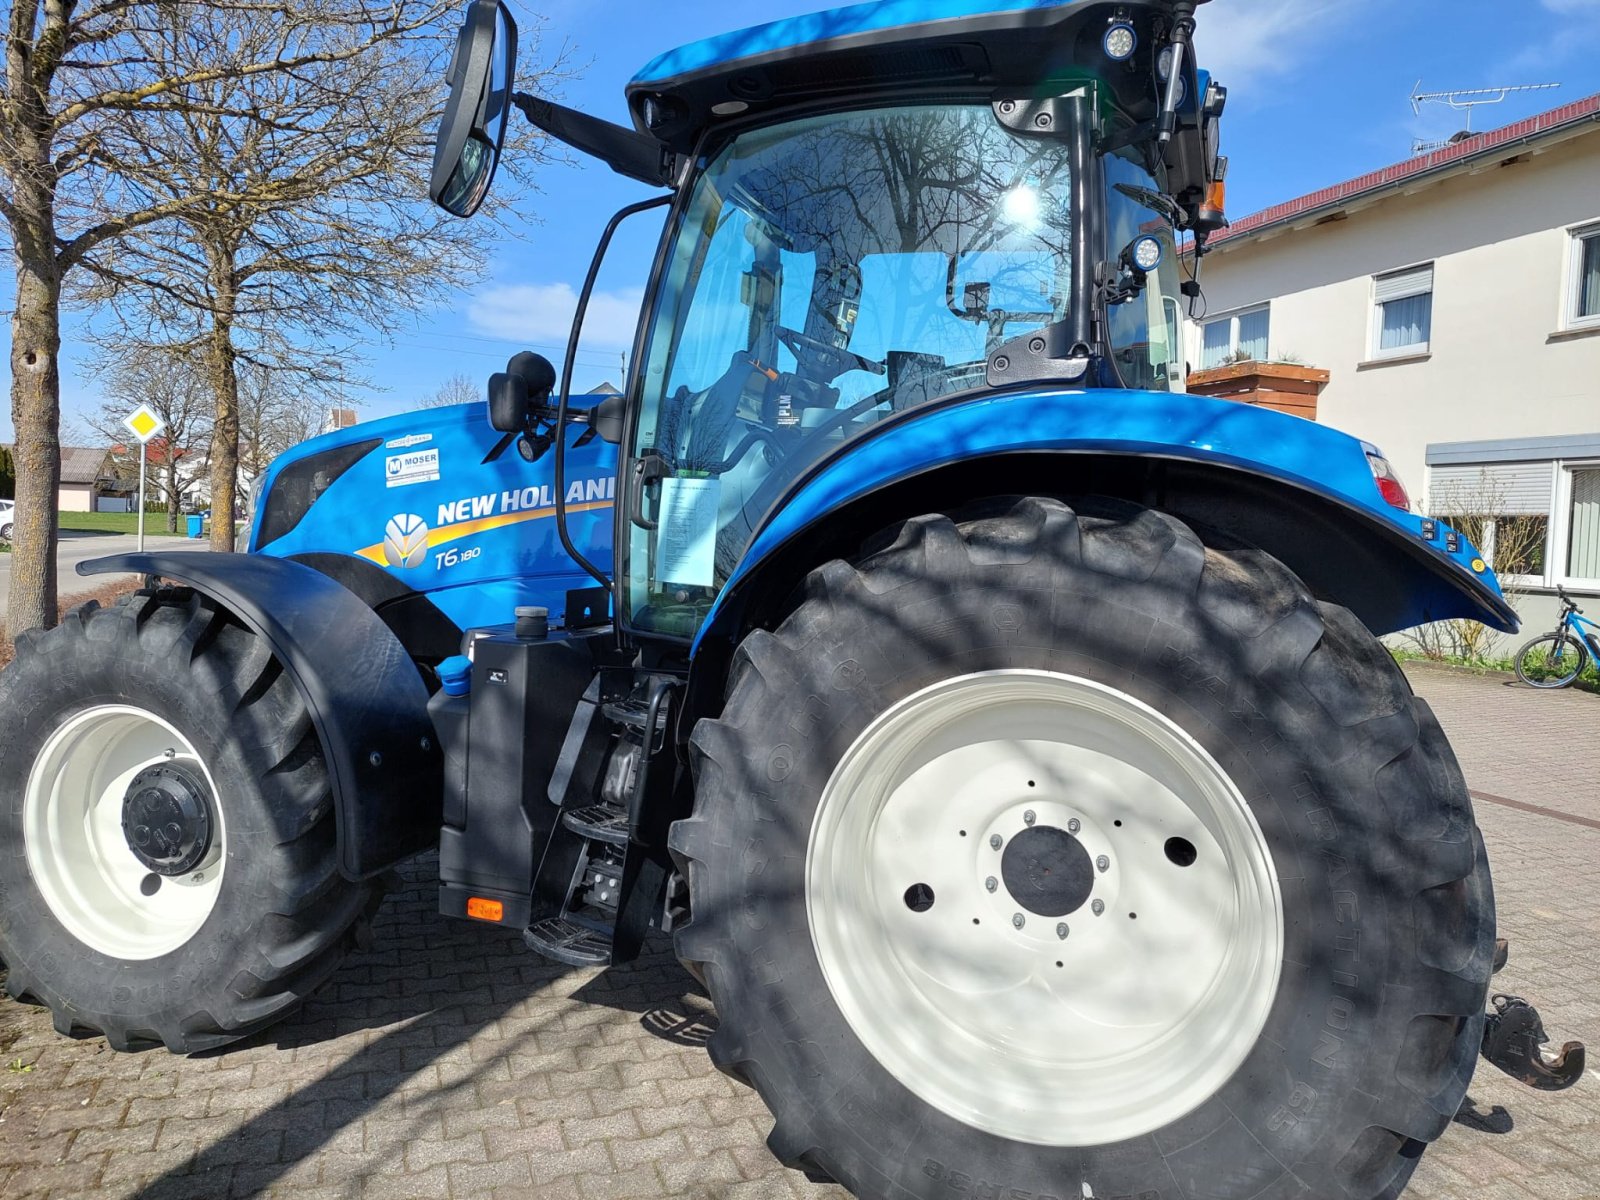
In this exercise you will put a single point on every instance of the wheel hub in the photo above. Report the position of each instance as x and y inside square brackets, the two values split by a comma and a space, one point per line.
[166, 818]
[1056, 885]
[1047, 871]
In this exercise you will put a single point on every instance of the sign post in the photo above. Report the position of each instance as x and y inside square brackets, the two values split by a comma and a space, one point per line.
[144, 425]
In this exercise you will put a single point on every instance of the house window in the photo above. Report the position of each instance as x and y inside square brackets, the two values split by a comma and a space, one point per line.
[1583, 296]
[1536, 522]
[1402, 312]
[1236, 337]
[1501, 508]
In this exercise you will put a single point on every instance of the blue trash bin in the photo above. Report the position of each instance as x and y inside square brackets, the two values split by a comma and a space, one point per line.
[196, 523]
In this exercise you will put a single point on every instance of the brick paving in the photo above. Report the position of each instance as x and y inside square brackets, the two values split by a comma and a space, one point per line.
[446, 1061]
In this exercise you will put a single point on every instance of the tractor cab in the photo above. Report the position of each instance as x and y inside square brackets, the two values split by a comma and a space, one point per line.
[868, 218]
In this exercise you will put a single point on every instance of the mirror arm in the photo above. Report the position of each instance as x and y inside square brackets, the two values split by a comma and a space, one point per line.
[623, 150]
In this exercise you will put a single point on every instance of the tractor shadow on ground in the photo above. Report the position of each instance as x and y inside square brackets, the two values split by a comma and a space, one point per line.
[1495, 1119]
[414, 1004]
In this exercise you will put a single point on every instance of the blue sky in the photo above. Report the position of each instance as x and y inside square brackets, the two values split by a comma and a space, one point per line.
[1318, 94]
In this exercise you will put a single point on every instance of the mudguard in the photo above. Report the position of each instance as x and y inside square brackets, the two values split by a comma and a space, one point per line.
[1302, 491]
[367, 701]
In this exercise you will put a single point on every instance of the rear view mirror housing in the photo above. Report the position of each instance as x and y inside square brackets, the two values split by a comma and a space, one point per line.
[605, 419]
[514, 394]
[473, 128]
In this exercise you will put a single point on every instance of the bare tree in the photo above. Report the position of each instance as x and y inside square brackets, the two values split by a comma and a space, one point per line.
[173, 387]
[318, 232]
[458, 389]
[277, 411]
[80, 80]
[1513, 544]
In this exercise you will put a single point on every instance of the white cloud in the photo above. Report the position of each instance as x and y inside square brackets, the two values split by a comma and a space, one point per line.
[1242, 40]
[1572, 8]
[541, 314]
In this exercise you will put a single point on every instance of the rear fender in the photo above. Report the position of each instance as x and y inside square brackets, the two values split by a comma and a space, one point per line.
[367, 700]
[1301, 491]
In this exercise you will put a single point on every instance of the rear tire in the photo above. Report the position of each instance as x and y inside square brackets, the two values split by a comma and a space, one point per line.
[1373, 1015]
[117, 945]
[1538, 667]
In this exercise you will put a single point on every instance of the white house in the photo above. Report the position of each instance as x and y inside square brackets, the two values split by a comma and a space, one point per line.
[1454, 300]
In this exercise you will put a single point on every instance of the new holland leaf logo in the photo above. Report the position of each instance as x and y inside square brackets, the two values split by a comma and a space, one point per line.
[405, 541]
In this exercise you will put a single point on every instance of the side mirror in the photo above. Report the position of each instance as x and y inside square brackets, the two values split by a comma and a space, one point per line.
[605, 419]
[524, 385]
[473, 128]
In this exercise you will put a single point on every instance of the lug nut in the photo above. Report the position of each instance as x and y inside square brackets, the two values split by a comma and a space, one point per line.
[1017, 921]
[1103, 863]
[995, 841]
[1062, 931]
[1098, 907]
[991, 883]
[1028, 818]
[1074, 825]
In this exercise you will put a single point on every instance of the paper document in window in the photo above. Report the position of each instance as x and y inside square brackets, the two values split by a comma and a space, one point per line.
[686, 552]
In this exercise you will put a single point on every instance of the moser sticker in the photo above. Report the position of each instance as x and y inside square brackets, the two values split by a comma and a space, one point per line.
[410, 440]
[405, 541]
[419, 466]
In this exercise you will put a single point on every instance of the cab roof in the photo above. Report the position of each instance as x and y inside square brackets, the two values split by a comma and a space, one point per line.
[874, 50]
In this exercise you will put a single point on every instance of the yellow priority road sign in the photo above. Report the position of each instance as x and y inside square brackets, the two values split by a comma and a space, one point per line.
[144, 423]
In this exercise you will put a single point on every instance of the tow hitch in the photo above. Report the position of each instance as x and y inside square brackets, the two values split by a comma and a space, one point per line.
[1513, 1035]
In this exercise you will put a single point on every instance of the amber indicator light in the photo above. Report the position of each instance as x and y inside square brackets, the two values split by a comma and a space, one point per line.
[485, 910]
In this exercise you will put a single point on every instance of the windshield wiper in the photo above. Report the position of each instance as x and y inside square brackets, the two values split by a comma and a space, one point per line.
[1155, 201]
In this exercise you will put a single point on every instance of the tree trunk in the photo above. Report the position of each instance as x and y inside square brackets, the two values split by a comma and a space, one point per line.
[172, 489]
[35, 408]
[225, 388]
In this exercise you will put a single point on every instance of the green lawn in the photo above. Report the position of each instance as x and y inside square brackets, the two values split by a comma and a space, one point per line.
[155, 524]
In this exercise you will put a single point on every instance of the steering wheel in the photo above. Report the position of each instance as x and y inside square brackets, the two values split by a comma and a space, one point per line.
[827, 357]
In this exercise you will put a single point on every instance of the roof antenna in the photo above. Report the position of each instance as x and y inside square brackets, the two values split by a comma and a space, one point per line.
[1464, 100]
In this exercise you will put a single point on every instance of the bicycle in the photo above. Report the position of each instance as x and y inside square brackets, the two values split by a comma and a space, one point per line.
[1554, 660]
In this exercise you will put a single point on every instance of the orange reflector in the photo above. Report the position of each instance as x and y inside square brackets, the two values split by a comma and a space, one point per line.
[485, 910]
[1217, 196]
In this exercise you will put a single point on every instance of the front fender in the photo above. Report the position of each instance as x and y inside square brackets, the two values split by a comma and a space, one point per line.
[367, 701]
[1297, 489]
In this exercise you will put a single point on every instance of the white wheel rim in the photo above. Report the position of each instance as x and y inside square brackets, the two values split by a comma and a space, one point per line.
[1148, 1016]
[77, 852]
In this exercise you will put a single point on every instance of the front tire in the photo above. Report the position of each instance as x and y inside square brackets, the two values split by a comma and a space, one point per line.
[170, 874]
[1551, 661]
[1282, 990]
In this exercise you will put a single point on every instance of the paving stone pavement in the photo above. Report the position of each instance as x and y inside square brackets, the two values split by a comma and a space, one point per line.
[446, 1061]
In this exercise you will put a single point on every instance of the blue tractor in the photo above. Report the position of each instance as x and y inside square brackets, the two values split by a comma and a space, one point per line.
[1002, 734]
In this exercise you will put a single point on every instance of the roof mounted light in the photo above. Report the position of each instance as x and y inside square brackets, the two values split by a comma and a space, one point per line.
[1121, 41]
[1164, 63]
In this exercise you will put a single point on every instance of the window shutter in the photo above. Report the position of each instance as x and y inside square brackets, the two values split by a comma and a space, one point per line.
[1494, 489]
[1404, 284]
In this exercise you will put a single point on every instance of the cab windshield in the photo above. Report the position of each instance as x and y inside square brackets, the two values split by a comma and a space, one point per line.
[828, 273]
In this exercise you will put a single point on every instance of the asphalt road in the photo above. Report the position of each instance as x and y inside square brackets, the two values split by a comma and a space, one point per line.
[81, 547]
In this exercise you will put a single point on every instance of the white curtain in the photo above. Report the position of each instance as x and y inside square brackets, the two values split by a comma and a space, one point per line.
[1407, 322]
[1589, 278]
[1253, 333]
[1583, 556]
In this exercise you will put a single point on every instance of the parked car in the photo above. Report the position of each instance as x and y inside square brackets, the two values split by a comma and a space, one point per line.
[8, 509]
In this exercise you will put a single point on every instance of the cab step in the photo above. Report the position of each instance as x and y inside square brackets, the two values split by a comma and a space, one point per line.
[566, 941]
[598, 822]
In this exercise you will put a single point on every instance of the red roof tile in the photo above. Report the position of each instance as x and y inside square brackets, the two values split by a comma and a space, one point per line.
[1421, 165]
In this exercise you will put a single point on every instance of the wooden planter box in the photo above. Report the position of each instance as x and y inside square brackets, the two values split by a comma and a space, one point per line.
[1286, 387]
